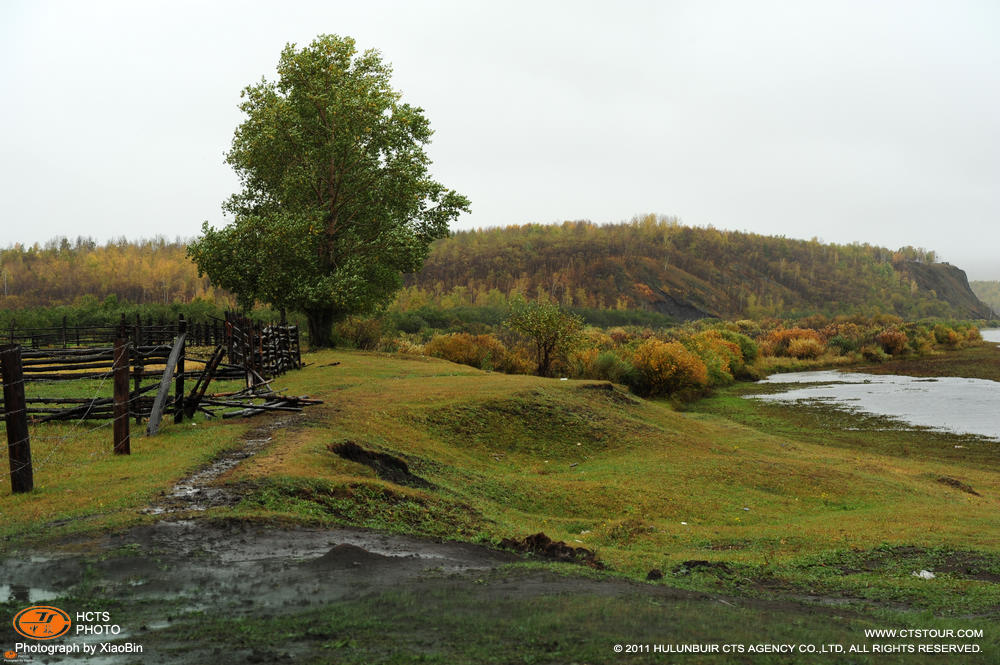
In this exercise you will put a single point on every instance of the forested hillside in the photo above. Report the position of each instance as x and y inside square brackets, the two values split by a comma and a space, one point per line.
[988, 292]
[652, 264]
[657, 264]
[62, 271]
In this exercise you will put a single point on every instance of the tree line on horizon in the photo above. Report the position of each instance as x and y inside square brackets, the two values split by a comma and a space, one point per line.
[63, 272]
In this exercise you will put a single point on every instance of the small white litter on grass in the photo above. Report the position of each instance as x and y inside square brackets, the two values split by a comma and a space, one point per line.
[924, 574]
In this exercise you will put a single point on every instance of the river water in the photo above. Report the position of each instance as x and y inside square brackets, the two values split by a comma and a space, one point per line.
[991, 335]
[952, 404]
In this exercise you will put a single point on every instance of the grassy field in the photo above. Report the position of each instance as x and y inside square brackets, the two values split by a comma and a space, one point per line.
[806, 507]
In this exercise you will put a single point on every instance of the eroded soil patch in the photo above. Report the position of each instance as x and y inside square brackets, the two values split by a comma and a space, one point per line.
[542, 546]
[386, 467]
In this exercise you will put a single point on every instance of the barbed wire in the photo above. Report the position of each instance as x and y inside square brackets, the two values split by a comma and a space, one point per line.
[74, 426]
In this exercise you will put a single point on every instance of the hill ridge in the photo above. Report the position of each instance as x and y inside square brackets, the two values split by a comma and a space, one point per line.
[657, 264]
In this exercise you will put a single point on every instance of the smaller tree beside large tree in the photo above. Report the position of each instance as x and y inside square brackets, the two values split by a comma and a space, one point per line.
[336, 199]
[553, 330]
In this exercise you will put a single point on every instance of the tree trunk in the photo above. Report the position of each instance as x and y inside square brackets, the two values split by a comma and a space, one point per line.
[544, 360]
[320, 327]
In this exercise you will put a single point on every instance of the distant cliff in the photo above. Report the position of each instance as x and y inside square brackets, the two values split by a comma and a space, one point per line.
[949, 284]
[657, 264]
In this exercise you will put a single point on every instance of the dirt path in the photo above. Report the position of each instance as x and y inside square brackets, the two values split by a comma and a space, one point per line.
[199, 492]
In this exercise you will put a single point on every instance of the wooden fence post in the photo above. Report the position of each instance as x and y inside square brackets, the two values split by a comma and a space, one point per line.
[179, 384]
[18, 443]
[121, 428]
[139, 366]
[298, 349]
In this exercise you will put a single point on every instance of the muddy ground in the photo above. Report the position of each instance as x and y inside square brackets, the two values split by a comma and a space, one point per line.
[177, 569]
[187, 590]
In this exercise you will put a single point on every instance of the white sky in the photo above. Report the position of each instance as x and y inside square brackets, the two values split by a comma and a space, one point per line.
[874, 122]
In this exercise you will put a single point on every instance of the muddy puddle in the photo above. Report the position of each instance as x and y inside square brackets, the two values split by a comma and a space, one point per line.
[173, 569]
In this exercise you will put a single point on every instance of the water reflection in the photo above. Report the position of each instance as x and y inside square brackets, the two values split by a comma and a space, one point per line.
[952, 404]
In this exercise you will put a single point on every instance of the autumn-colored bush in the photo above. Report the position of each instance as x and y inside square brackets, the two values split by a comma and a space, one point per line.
[408, 347]
[663, 368]
[947, 336]
[849, 331]
[596, 339]
[748, 327]
[804, 348]
[482, 351]
[921, 339]
[619, 335]
[748, 348]
[581, 362]
[719, 355]
[893, 341]
[779, 343]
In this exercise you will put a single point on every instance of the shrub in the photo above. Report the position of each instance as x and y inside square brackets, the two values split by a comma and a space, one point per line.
[581, 363]
[481, 351]
[364, 334]
[603, 365]
[778, 343]
[408, 347]
[945, 335]
[843, 345]
[595, 339]
[873, 353]
[805, 348]
[663, 368]
[718, 354]
[619, 336]
[609, 367]
[893, 341]
[748, 348]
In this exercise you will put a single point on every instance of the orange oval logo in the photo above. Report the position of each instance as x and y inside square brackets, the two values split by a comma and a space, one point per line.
[42, 622]
[10, 655]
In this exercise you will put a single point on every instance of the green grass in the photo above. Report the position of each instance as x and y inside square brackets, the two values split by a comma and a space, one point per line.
[513, 455]
[81, 485]
[800, 506]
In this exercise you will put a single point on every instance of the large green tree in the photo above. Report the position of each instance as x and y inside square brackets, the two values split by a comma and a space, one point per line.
[336, 200]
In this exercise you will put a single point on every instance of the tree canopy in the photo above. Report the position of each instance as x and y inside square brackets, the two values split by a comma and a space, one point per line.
[553, 330]
[336, 201]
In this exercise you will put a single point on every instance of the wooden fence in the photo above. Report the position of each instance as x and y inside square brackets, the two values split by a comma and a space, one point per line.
[141, 352]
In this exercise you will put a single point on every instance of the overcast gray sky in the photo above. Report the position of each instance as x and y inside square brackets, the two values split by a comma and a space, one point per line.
[873, 122]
